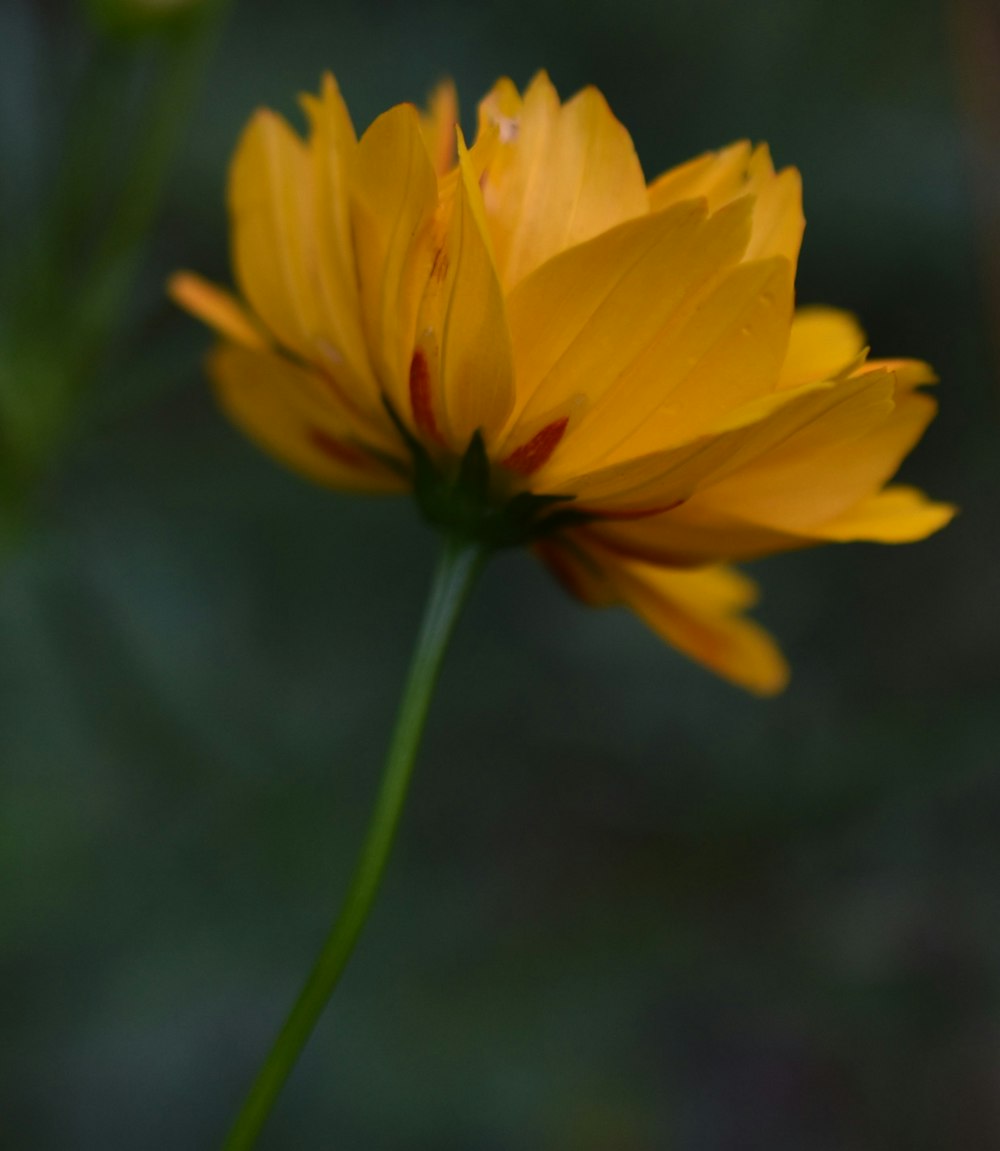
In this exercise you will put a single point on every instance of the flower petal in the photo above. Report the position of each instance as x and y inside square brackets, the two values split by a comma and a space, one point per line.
[896, 515]
[778, 222]
[721, 354]
[438, 126]
[462, 329]
[698, 612]
[810, 472]
[217, 308]
[723, 176]
[689, 536]
[392, 212]
[560, 174]
[824, 469]
[332, 153]
[271, 200]
[795, 433]
[585, 318]
[907, 373]
[824, 342]
[291, 412]
[717, 177]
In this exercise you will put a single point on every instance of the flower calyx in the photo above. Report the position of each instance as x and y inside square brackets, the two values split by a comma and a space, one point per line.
[460, 498]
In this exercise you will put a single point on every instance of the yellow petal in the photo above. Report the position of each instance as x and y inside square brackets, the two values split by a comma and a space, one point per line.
[714, 469]
[217, 308]
[586, 317]
[698, 612]
[720, 177]
[726, 352]
[559, 175]
[291, 413]
[908, 373]
[778, 222]
[811, 473]
[438, 126]
[393, 205]
[462, 331]
[824, 342]
[332, 153]
[693, 534]
[825, 469]
[896, 515]
[271, 200]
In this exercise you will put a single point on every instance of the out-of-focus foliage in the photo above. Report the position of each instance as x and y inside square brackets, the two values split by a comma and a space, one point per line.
[140, 17]
[631, 908]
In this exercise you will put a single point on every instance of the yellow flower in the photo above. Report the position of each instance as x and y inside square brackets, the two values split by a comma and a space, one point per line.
[549, 348]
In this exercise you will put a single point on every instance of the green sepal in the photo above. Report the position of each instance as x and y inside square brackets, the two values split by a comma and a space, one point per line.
[474, 470]
[459, 499]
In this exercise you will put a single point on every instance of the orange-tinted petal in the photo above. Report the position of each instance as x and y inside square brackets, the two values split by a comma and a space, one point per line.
[217, 308]
[699, 612]
[438, 126]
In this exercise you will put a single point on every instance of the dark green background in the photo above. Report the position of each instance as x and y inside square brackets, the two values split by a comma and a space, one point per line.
[631, 908]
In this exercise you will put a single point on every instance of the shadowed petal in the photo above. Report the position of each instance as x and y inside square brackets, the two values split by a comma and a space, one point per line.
[698, 612]
[291, 413]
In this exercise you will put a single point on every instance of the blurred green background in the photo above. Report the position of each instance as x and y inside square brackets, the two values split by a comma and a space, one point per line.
[631, 908]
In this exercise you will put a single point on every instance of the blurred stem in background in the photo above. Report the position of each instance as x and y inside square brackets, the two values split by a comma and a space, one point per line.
[460, 563]
[70, 256]
[976, 35]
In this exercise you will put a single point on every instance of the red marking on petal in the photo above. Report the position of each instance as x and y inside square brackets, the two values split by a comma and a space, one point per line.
[339, 451]
[530, 456]
[420, 397]
[631, 513]
[439, 269]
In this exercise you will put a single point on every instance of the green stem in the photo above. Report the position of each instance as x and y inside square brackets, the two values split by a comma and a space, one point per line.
[460, 563]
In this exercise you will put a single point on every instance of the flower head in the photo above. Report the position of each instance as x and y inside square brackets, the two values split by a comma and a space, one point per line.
[550, 350]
